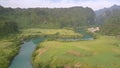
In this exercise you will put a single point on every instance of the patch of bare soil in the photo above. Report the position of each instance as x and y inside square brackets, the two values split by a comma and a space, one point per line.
[42, 51]
[116, 50]
[77, 65]
[75, 53]
[67, 66]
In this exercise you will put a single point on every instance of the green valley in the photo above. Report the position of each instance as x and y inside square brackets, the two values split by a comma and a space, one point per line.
[72, 37]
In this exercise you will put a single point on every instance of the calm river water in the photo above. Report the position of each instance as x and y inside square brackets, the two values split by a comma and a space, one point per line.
[23, 59]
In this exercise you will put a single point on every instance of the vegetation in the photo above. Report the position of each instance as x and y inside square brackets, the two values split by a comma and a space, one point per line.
[8, 41]
[9, 47]
[9, 44]
[109, 20]
[58, 23]
[59, 33]
[100, 53]
[112, 24]
[7, 26]
[49, 18]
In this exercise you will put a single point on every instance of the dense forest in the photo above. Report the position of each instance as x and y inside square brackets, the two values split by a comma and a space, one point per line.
[7, 26]
[12, 19]
[50, 17]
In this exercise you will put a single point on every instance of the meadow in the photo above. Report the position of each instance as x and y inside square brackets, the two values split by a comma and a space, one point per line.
[50, 34]
[9, 47]
[10, 44]
[103, 52]
[38, 31]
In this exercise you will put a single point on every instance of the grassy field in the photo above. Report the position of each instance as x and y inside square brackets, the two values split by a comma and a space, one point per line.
[103, 52]
[9, 44]
[37, 31]
[7, 51]
[8, 48]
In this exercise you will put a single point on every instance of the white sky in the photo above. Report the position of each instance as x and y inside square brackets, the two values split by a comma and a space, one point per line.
[94, 4]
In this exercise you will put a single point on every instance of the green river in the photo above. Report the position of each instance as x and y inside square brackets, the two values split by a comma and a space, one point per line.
[23, 59]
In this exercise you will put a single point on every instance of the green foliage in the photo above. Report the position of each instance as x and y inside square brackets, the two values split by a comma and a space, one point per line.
[51, 34]
[8, 49]
[7, 27]
[110, 22]
[50, 18]
[98, 53]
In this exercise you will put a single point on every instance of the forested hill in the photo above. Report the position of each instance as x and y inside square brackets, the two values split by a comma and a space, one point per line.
[109, 19]
[49, 17]
[102, 11]
[103, 14]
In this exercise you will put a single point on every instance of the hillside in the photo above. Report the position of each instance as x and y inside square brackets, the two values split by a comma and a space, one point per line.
[109, 20]
[49, 17]
[102, 11]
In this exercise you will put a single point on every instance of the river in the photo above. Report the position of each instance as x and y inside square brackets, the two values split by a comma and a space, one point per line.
[23, 59]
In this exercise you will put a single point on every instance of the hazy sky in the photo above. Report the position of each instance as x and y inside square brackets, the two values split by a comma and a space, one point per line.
[94, 4]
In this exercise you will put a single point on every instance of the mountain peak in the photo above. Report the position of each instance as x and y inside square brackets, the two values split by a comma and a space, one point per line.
[115, 7]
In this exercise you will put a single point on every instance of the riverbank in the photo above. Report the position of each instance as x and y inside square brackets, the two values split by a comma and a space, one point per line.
[23, 59]
[102, 52]
[9, 47]
[54, 48]
[17, 39]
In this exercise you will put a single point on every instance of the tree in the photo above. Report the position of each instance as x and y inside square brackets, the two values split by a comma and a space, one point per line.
[7, 27]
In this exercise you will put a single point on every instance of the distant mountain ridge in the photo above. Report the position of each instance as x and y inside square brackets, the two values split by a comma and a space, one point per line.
[109, 20]
[101, 11]
[104, 13]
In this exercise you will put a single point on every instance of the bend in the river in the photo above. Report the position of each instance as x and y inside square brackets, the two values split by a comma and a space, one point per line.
[23, 59]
